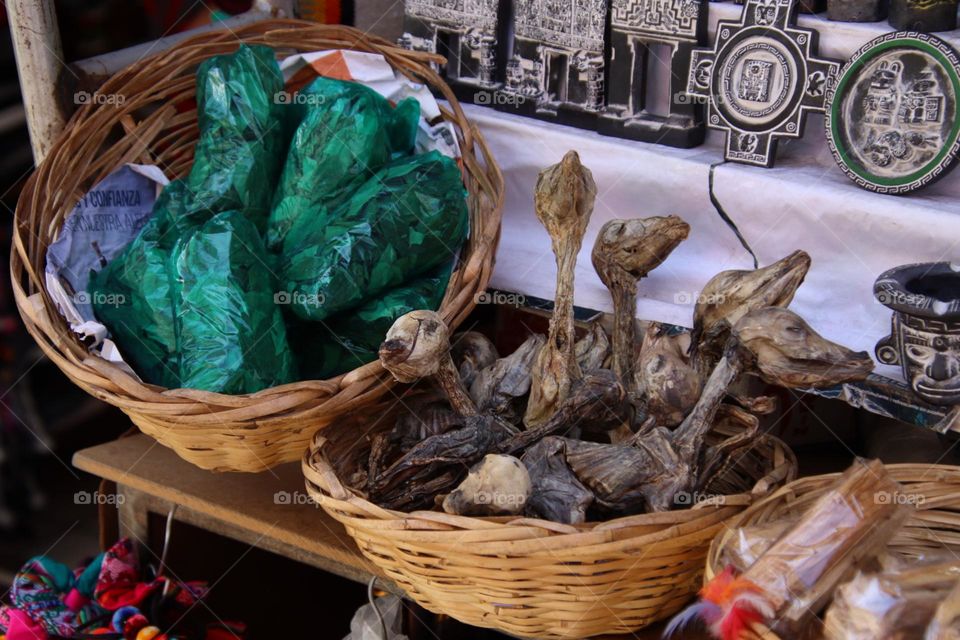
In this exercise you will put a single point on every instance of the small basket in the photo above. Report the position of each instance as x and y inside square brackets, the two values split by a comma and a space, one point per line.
[534, 578]
[157, 122]
[934, 489]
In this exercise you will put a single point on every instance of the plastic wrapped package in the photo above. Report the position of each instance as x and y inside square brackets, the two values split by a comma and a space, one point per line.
[348, 132]
[410, 217]
[242, 135]
[747, 544]
[231, 335]
[132, 294]
[793, 579]
[892, 605]
[845, 526]
[352, 339]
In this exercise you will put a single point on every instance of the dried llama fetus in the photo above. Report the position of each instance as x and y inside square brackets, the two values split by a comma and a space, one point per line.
[497, 485]
[665, 380]
[563, 200]
[418, 346]
[730, 295]
[472, 352]
[626, 251]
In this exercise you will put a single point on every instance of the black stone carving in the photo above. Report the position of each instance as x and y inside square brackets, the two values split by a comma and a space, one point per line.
[892, 120]
[555, 69]
[925, 332]
[465, 33]
[857, 10]
[761, 80]
[640, 29]
[923, 15]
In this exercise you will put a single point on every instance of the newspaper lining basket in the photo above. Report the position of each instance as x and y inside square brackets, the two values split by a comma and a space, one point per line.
[156, 122]
[534, 578]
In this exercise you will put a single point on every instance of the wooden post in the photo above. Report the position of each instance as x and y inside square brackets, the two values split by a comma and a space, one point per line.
[36, 43]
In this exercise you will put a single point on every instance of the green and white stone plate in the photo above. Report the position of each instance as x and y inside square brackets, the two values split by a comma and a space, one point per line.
[892, 120]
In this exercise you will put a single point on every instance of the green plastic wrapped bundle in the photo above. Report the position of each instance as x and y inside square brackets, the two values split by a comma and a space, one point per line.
[348, 132]
[231, 335]
[132, 294]
[410, 217]
[242, 135]
[352, 339]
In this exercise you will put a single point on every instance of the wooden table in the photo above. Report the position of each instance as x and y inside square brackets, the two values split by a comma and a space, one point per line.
[269, 510]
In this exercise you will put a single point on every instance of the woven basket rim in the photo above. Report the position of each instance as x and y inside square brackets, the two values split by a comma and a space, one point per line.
[192, 421]
[325, 487]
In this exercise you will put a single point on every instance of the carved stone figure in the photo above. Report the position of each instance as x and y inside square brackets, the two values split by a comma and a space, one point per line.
[644, 34]
[925, 334]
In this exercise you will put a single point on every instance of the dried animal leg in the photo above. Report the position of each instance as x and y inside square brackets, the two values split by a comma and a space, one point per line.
[720, 458]
[564, 201]
[730, 295]
[619, 476]
[500, 387]
[665, 381]
[597, 398]
[626, 251]
[497, 485]
[556, 493]
[472, 352]
[418, 346]
[453, 451]
[592, 349]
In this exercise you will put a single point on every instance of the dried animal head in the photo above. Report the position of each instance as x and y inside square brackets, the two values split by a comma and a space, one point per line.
[626, 251]
[791, 354]
[564, 200]
[730, 295]
[665, 380]
[415, 346]
[497, 485]
[418, 346]
[472, 351]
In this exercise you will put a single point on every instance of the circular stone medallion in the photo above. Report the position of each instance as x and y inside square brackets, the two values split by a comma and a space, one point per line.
[757, 75]
[892, 120]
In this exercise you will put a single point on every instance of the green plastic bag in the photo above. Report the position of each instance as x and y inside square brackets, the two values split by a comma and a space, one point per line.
[132, 294]
[410, 217]
[348, 132]
[352, 339]
[231, 336]
[242, 135]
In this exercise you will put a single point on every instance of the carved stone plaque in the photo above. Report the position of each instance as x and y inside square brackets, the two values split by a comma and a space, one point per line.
[663, 32]
[760, 80]
[892, 120]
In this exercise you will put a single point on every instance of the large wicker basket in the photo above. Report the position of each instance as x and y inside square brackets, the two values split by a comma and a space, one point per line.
[534, 578]
[934, 489]
[156, 122]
